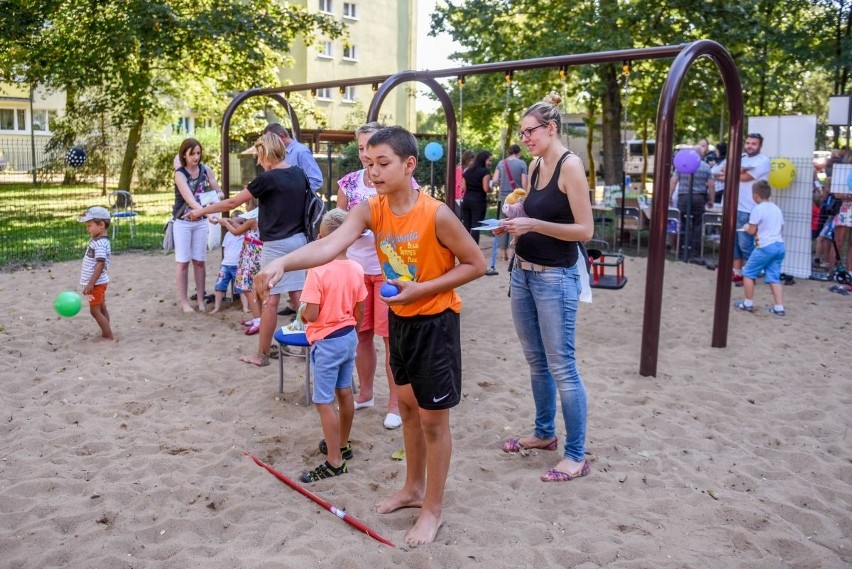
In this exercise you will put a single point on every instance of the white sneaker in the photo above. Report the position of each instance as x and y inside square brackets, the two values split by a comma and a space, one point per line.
[392, 421]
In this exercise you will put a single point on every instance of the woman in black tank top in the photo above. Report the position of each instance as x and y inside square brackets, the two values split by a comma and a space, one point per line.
[545, 288]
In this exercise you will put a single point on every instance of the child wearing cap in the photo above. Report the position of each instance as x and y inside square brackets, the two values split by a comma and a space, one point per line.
[93, 275]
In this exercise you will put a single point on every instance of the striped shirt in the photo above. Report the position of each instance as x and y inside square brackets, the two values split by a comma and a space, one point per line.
[98, 249]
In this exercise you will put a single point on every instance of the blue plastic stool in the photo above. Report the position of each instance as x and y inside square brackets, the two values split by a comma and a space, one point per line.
[299, 340]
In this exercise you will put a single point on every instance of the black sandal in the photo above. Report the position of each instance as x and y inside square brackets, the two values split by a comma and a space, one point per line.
[345, 452]
[323, 471]
[273, 352]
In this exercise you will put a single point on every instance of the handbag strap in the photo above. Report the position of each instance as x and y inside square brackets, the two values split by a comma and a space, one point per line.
[509, 173]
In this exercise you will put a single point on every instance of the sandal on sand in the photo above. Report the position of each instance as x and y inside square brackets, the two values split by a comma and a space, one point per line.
[263, 359]
[345, 452]
[554, 475]
[323, 471]
[515, 445]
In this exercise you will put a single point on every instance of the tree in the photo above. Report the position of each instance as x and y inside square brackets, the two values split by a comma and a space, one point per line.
[141, 56]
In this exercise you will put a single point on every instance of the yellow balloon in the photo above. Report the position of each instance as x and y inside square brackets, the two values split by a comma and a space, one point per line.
[781, 173]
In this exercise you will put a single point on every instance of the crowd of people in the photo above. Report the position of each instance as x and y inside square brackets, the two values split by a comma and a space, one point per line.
[385, 231]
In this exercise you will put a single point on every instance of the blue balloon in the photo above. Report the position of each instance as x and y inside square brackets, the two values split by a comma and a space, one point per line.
[849, 180]
[388, 290]
[686, 161]
[433, 151]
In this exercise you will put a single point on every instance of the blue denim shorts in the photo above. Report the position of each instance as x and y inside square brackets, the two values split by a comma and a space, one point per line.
[227, 275]
[744, 244]
[767, 259]
[333, 362]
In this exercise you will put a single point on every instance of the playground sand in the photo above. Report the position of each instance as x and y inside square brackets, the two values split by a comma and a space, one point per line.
[131, 454]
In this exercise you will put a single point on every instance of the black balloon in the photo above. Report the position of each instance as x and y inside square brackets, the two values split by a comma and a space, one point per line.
[76, 157]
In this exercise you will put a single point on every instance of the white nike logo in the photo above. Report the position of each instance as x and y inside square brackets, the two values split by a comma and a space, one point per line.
[439, 399]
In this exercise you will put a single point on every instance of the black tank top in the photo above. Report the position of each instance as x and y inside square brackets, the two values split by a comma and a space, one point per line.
[548, 204]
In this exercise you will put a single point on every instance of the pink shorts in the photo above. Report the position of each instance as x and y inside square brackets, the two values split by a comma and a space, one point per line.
[375, 310]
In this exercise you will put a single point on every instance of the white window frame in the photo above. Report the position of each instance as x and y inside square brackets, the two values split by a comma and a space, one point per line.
[327, 51]
[349, 94]
[350, 53]
[49, 117]
[324, 94]
[326, 6]
[350, 11]
[19, 121]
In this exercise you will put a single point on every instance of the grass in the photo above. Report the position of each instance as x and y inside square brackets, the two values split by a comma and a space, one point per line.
[39, 223]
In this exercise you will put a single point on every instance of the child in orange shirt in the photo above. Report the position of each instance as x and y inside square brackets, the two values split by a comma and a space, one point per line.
[418, 241]
[333, 296]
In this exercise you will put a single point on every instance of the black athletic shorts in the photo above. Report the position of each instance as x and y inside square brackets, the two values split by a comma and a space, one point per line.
[425, 352]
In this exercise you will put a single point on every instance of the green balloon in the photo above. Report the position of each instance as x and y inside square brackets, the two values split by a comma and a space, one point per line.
[68, 303]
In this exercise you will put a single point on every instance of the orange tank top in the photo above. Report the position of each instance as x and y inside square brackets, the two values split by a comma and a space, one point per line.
[409, 249]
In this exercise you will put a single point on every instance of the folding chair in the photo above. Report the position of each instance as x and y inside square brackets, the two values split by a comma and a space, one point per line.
[121, 208]
[297, 339]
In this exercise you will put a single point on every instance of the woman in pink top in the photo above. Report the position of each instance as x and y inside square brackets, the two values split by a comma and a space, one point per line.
[352, 189]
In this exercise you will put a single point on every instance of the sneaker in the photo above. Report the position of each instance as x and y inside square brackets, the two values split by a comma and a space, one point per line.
[323, 471]
[772, 310]
[491, 272]
[737, 279]
[741, 305]
[345, 452]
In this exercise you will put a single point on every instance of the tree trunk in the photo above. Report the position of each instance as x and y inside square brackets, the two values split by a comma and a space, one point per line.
[591, 116]
[128, 163]
[613, 153]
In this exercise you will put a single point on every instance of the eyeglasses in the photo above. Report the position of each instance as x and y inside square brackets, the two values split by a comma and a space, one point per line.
[527, 132]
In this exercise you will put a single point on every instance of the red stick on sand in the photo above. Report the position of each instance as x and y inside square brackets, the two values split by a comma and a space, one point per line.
[337, 512]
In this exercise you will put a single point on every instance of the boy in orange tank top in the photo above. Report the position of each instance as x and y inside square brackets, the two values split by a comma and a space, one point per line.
[418, 240]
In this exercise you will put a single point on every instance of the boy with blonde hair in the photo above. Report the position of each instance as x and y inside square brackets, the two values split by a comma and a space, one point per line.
[333, 300]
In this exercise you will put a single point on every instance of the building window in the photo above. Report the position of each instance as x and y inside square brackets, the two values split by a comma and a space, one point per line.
[43, 119]
[326, 6]
[326, 50]
[13, 119]
[349, 52]
[349, 11]
[349, 94]
[324, 94]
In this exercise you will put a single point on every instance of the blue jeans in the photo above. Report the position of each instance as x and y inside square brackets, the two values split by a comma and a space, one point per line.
[744, 244]
[767, 259]
[544, 308]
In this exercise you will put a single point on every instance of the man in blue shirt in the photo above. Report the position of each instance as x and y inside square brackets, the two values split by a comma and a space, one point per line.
[298, 154]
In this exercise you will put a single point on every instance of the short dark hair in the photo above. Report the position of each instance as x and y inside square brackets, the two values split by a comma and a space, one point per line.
[276, 128]
[187, 144]
[514, 149]
[400, 141]
[762, 188]
[756, 135]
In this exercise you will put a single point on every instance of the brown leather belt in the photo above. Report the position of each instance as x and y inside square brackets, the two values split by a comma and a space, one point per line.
[527, 266]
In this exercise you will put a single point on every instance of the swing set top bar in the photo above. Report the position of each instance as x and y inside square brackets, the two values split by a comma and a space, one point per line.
[685, 55]
[483, 68]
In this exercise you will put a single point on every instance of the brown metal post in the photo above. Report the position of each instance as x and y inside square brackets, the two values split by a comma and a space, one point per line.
[226, 128]
[662, 166]
[449, 110]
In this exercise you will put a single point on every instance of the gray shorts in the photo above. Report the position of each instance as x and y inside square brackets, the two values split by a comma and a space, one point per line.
[292, 280]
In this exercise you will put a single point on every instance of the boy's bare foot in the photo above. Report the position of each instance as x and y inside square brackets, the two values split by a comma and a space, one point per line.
[425, 529]
[186, 307]
[258, 359]
[398, 500]
[201, 308]
[215, 310]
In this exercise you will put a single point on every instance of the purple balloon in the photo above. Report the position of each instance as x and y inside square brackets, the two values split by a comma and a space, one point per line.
[686, 161]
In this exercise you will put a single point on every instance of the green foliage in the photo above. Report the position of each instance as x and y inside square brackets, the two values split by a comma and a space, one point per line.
[138, 59]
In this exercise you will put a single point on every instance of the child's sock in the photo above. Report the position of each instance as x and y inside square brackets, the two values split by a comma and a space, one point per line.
[748, 303]
[779, 308]
[255, 321]
[739, 273]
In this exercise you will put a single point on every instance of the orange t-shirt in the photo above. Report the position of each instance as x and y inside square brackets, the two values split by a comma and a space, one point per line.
[337, 287]
[409, 249]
